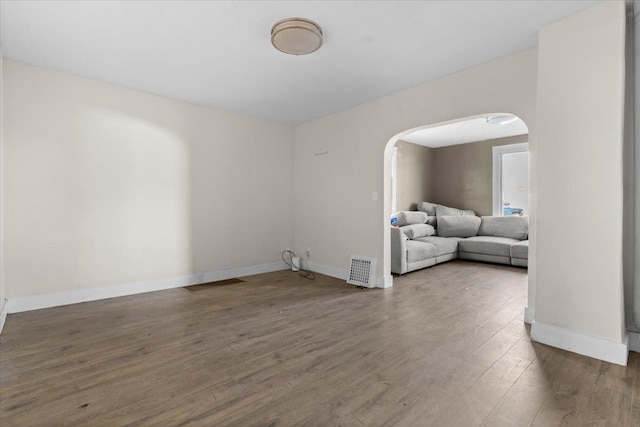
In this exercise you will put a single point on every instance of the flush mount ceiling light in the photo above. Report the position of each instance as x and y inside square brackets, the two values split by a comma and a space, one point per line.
[501, 120]
[296, 36]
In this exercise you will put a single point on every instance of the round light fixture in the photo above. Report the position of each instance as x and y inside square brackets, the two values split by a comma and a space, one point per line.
[501, 120]
[296, 36]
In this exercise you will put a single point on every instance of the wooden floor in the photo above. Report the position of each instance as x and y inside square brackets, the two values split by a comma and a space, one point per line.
[444, 346]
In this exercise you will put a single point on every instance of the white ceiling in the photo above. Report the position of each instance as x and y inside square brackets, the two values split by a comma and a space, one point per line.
[465, 131]
[219, 53]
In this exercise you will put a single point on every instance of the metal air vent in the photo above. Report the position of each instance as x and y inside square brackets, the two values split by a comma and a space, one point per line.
[362, 271]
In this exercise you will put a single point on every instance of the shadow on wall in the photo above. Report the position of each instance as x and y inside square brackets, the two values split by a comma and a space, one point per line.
[134, 197]
[108, 199]
[160, 194]
[109, 186]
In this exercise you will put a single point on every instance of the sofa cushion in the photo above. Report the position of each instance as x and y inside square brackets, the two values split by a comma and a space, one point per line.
[444, 245]
[429, 208]
[514, 227]
[446, 257]
[487, 245]
[520, 250]
[494, 259]
[418, 251]
[458, 226]
[447, 211]
[432, 220]
[418, 230]
[442, 210]
[516, 262]
[411, 217]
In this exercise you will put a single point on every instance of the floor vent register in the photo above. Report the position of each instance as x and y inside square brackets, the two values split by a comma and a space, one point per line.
[362, 271]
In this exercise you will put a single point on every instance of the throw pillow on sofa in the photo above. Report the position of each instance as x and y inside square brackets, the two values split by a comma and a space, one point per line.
[418, 230]
[411, 217]
[447, 211]
[458, 226]
[514, 227]
[429, 208]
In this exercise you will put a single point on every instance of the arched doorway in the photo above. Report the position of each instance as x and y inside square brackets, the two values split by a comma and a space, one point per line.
[389, 195]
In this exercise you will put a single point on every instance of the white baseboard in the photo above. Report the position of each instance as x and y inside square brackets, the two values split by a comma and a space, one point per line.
[565, 339]
[529, 314]
[634, 341]
[385, 281]
[343, 274]
[4, 310]
[74, 296]
[338, 273]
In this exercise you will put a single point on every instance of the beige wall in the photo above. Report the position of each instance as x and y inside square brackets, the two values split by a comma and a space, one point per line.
[459, 175]
[414, 175]
[580, 134]
[345, 179]
[2, 281]
[463, 174]
[106, 185]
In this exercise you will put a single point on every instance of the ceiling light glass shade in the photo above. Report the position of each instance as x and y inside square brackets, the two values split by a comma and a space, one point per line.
[501, 120]
[296, 36]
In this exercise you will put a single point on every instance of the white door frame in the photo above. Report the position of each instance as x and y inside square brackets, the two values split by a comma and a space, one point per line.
[394, 179]
[498, 151]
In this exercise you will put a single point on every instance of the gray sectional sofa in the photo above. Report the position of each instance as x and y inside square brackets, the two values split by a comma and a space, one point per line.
[421, 240]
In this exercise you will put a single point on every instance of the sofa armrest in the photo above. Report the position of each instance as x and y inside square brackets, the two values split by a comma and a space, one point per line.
[398, 251]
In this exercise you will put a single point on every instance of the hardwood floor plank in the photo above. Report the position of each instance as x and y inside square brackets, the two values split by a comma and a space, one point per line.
[476, 403]
[523, 400]
[444, 346]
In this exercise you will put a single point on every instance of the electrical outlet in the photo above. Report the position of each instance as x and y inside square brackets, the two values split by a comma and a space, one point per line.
[309, 252]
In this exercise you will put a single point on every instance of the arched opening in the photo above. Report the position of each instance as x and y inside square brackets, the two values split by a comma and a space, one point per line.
[494, 205]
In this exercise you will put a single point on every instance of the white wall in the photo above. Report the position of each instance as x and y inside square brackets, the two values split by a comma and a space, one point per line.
[106, 185]
[580, 134]
[334, 212]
